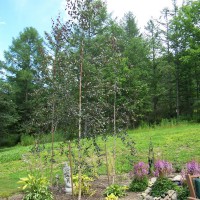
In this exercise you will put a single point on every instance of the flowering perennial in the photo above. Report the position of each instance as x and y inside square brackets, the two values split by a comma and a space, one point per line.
[162, 168]
[140, 170]
[193, 168]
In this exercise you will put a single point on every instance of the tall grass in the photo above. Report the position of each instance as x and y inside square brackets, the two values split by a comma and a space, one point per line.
[27, 140]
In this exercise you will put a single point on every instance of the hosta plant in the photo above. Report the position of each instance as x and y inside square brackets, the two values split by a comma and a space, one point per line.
[36, 188]
[111, 197]
[117, 190]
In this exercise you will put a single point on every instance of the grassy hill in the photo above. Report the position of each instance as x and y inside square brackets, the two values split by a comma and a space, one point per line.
[176, 143]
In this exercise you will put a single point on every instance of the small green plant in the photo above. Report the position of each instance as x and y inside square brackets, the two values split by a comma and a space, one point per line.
[138, 185]
[35, 188]
[85, 185]
[111, 197]
[117, 190]
[27, 140]
[177, 167]
[161, 186]
[183, 192]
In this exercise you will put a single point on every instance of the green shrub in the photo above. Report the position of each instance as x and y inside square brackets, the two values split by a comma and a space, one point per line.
[115, 189]
[138, 185]
[85, 185]
[183, 192]
[35, 188]
[161, 186]
[27, 140]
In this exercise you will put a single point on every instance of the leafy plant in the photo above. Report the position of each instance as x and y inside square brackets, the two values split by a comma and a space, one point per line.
[35, 188]
[116, 189]
[111, 197]
[183, 192]
[162, 168]
[85, 185]
[161, 186]
[138, 185]
[177, 167]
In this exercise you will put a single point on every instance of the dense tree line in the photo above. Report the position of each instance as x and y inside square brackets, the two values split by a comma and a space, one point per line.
[127, 77]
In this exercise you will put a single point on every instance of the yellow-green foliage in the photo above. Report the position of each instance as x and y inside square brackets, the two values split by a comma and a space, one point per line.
[85, 185]
[111, 197]
[35, 188]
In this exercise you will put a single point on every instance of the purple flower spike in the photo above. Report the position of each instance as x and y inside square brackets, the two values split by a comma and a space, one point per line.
[140, 170]
[193, 168]
[162, 168]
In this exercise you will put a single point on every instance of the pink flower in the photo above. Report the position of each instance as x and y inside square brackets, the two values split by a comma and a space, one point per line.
[162, 168]
[140, 170]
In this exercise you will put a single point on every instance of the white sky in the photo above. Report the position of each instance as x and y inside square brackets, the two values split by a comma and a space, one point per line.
[143, 10]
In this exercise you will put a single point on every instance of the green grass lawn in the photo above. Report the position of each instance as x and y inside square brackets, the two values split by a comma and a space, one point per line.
[178, 144]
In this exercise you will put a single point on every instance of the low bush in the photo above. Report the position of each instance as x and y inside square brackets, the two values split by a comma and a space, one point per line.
[115, 189]
[85, 185]
[161, 186]
[35, 188]
[138, 185]
[27, 140]
[183, 192]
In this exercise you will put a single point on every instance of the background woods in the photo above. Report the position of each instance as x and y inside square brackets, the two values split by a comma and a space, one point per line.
[127, 77]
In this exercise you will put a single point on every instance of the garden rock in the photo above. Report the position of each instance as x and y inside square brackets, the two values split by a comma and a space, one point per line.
[177, 178]
[148, 190]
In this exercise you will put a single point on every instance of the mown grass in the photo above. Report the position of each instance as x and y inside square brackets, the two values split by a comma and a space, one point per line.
[176, 143]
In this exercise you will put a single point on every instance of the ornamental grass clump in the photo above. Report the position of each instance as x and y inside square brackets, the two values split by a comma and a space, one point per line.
[162, 168]
[140, 180]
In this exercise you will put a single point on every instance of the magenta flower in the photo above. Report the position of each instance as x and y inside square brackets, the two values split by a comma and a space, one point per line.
[140, 170]
[162, 168]
[193, 168]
